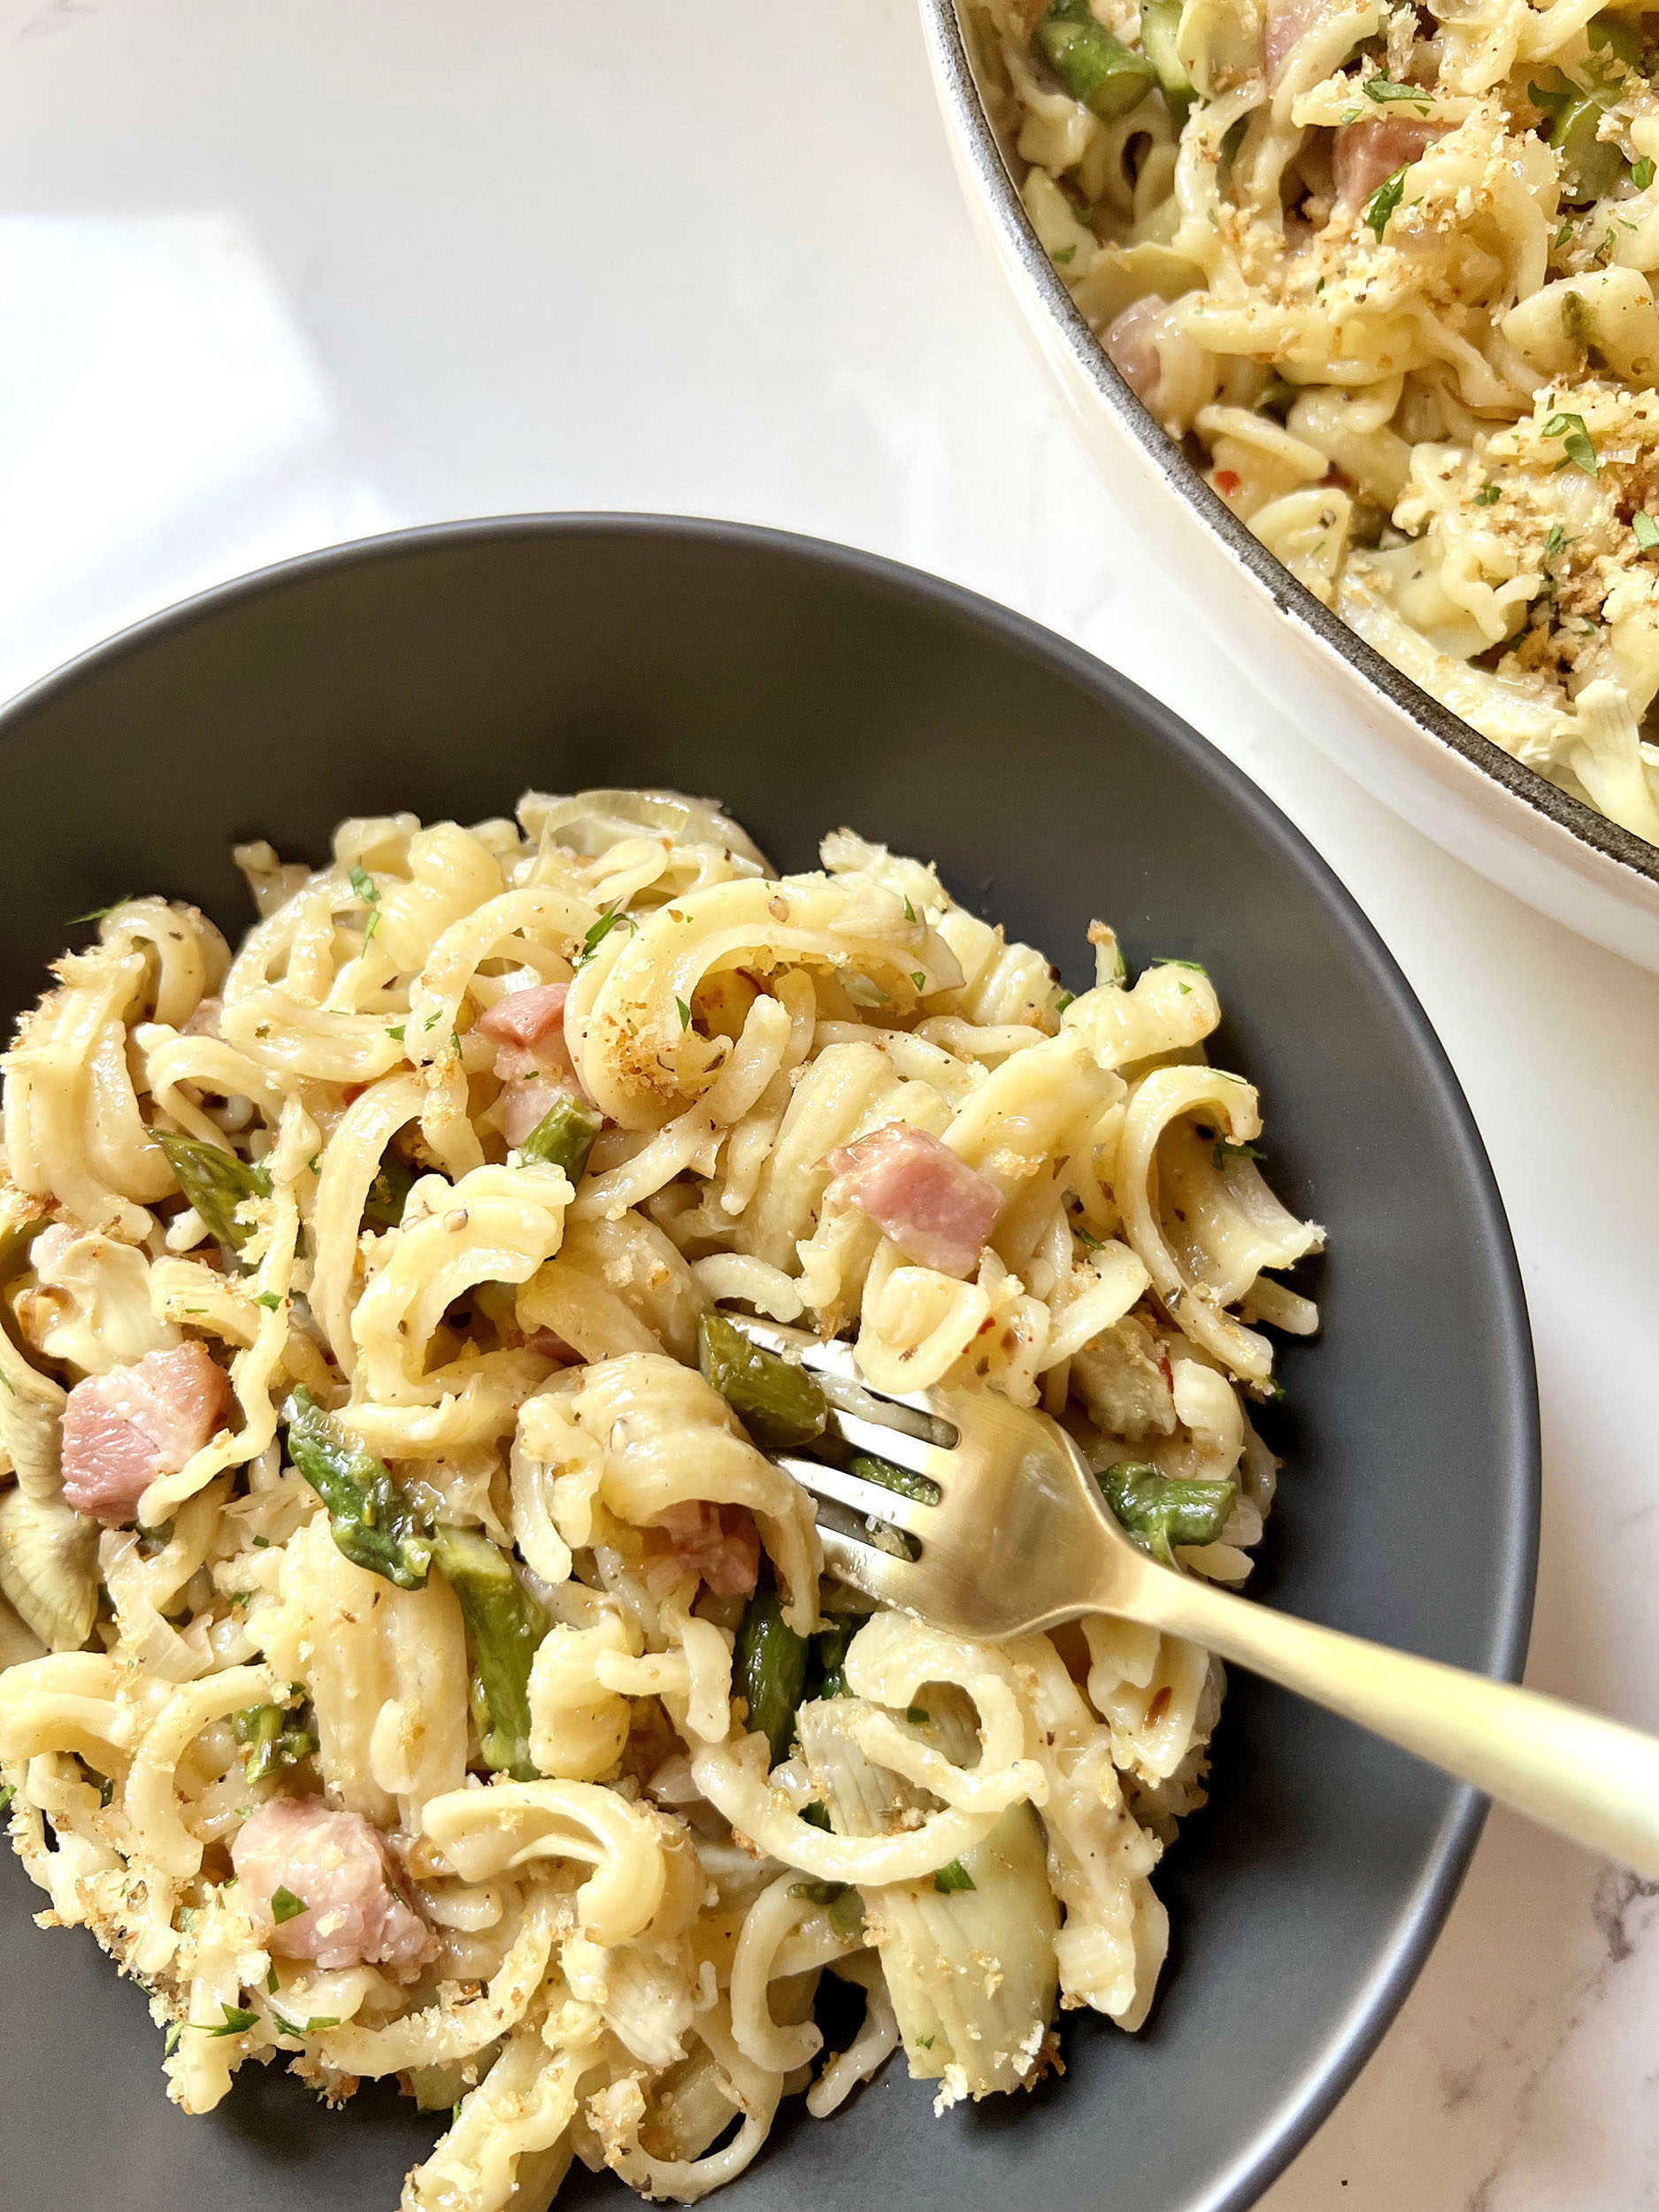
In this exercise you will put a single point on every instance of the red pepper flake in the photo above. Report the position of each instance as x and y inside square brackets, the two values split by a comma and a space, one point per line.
[1226, 482]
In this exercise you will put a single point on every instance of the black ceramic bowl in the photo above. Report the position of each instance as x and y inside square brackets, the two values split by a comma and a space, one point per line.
[445, 670]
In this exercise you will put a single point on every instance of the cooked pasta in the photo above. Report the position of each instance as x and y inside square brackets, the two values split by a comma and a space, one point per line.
[413, 1663]
[1387, 271]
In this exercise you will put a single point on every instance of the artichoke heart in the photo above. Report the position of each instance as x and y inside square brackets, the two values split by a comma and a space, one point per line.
[969, 1956]
[49, 1568]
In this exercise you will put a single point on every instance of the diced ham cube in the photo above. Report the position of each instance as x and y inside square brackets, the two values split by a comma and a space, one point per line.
[528, 1029]
[1288, 21]
[937, 1210]
[524, 1104]
[716, 1543]
[339, 1870]
[533, 1061]
[1132, 344]
[552, 1346]
[1365, 155]
[123, 1429]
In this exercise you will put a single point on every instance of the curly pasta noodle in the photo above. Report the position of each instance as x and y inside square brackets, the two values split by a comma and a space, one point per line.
[1389, 271]
[385, 1553]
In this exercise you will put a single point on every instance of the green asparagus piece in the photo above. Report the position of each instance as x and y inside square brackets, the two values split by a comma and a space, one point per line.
[829, 1654]
[1160, 19]
[374, 1522]
[1093, 66]
[846, 1906]
[1590, 166]
[504, 1627]
[564, 1136]
[771, 1671]
[1159, 1511]
[272, 1738]
[217, 1183]
[883, 1471]
[1618, 37]
[394, 1180]
[778, 1403]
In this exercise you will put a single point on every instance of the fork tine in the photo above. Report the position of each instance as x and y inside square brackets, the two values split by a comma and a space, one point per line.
[897, 1445]
[870, 1498]
[867, 1568]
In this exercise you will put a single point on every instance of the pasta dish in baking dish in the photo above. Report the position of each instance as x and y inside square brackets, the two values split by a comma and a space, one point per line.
[413, 1663]
[1386, 270]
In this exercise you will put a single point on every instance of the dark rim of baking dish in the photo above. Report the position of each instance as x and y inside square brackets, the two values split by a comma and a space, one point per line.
[1308, 2101]
[1292, 598]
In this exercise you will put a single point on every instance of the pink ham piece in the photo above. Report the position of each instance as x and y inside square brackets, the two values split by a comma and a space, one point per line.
[1290, 20]
[339, 1869]
[524, 1104]
[936, 1209]
[1132, 344]
[528, 1029]
[533, 1061]
[716, 1543]
[123, 1429]
[1365, 155]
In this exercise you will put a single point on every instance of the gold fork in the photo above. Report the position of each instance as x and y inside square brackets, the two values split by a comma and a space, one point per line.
[1018, 1537]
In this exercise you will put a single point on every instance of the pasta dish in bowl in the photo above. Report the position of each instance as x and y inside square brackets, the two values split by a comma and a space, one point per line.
[1382, 275]
[434, 1675]
[442, 671]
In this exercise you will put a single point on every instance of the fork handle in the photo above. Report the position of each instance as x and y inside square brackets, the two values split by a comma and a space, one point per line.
[1590, 1778]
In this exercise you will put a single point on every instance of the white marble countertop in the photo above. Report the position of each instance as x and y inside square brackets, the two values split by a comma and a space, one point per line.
[274, 272]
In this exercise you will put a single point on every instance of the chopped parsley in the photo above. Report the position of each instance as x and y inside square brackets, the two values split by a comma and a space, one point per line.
[285, 1906]
[1227, 1150]
[170, 2041]
[1066, 999]
[602, 929]
[1564, 238]
[366, 888]
[1068, 253]
[1168, 960]
[685, 1013]
[269, 1300]
[916, 1715]
[8, 1791]
[99, 912]
[396, 1035]
[956, 1876]
[918, 980]
[910, 912]
[237, 2022]
[1646, 529]
[1383, 202]
[1642, 173]
[1488, 495]
[1575, 443]
[1381, 88]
